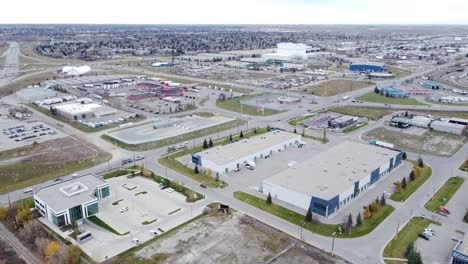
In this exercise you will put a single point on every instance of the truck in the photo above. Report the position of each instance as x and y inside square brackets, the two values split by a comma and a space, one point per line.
[250, 165]
[382, 144]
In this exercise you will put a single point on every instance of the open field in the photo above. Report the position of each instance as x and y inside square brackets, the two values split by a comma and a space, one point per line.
[16, 85]
[443, 195]
[334, 87]
[412, 186]
[396, 247]
[235, 106]
[431, 142]
[377, 98]
[47, 160]
[399, 72]
[297, 120]
[316, 227]
[369, 112]
[219, 238]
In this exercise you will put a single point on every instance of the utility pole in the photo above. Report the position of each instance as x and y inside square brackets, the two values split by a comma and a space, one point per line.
[333, 242]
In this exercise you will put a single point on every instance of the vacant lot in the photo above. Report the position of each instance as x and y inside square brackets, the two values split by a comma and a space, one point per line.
[233, 238]
[334, 87]
[431, 142]
[46, 160]
[235, 106]
[377, 98]
[369, 112]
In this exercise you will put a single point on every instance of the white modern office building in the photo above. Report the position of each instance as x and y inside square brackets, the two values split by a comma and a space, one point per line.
[330, 180]
[226, 158]
[68, 201]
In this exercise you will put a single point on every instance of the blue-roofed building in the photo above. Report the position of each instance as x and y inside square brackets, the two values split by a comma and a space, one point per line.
[431, 85]
[392, 92]
[367, 67]
[460, 253]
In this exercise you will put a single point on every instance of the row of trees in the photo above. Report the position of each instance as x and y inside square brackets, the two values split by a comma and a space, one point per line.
[413, 256]
[401, 185]
[374, 207]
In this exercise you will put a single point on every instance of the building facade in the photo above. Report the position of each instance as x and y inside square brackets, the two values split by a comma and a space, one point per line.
[367, 67]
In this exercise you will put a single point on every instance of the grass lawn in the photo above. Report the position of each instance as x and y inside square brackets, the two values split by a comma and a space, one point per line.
[190, 195]
[412, 186]
[175, 139]
[447, 190]
[24, 82]
[354, 127]
[235, 106]
[334, 87]
[115, 173]
[377, 98]
[464, 166]
[320, 228]
[297, 120]
[80, 126]
[94, 219]
[398, 72]
[373, 113]
[396, 247]
[171, 162]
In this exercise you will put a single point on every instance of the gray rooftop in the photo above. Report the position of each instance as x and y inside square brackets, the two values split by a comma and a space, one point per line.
[333, 171]
[237, 150]
[66, 194]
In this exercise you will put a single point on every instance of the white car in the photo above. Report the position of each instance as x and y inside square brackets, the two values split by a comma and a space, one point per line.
[144, 214]
[136, 241]
[140, 157]
[169, 190]
[124, 209]
[75, 175]
[154, 233]
[28, 190]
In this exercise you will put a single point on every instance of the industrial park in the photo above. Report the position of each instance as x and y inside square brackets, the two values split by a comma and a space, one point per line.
[233, 143]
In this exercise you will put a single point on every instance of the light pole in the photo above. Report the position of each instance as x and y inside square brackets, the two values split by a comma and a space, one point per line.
[302, 226]
[333, 242]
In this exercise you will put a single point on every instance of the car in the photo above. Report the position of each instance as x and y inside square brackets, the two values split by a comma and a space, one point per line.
[136, 241]
[203, 186]
[126, 161]
[57, 179]
[154, 233]
[75, 175]
[140, 157]
[124, 209]
[429, 230]
[423, 236]
[169, 190]
[28, 190]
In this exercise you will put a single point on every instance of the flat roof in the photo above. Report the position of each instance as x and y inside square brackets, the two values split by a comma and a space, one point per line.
[343, 118]
[77, 108]
[333, 171]
[247, 146]
[63, 195]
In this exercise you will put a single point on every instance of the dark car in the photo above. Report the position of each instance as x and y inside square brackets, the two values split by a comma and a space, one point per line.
[126, 161]
[203, 185]
[423, 236]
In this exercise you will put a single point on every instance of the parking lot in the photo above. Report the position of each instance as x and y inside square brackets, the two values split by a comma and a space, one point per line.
[15, 134]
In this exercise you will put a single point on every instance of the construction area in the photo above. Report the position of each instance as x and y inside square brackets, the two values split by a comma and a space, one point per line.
[233, 238]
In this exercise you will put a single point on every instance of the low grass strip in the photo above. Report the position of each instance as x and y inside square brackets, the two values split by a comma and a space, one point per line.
[117, 202]
[149, 222]
[412, 186]
[444, 194]
[175, 211]
[97, 221]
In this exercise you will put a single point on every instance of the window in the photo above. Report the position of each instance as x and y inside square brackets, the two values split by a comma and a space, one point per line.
[76, 213]
[104, 192]
[92, 209]
[58, 220]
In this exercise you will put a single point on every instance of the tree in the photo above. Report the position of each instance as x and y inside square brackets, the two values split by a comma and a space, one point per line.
[367, 213]
[403, 183]
[230, 137]
[420, 162]
[397, 186]
[195, 170]
[255, 130]
[370, 208]
[268, 127]
[295, 131]
[217, 177]
[349, 223]
[209, 172]
[3, 213]
[411, 176]
[417, 171]
[51, 248]
[74, 253]
[210, 143]
[466, 217]
[308, 216]
[205, 144]
[358, 219]
[409, 249]
[268, 200]
[24, 215]
[406, 114]
[403, 156]
[376, 90]
[241, 135]
[374, 207]
[383, 202]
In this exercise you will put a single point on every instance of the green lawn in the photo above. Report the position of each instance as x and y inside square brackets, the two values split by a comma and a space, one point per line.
[464, 166]
[149, 222]
[190, 195]
[115, 173]
[94, 219]
[377, 98]
[397, 246]
[320, 228]
[297, 120]
[412, 186]
[374, 113]
[354, 127]
[175, 139]
[235, 106]
[175, 211]
[171, 162]
[446, 192]
[398, 72]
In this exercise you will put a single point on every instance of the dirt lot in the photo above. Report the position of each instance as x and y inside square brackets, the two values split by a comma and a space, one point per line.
[433, 143]
[43, 161]
[334, 87]
[233, 238]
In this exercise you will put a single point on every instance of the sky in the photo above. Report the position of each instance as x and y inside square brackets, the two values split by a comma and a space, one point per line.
[234, 12]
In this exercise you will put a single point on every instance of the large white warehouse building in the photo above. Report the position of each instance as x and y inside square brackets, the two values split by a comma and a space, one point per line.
[226, 158]
[330, 180]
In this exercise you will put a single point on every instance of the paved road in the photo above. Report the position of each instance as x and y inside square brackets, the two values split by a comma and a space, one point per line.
[7, 237]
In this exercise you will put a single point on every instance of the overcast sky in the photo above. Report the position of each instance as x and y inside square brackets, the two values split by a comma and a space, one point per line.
[235, 11]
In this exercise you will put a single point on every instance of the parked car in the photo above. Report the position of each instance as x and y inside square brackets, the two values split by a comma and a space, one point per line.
[203, 185]
[28, 190]
[136, 241]
[154, 233]
[140, 157]
[126, 161]
[124, 209]
[75, 175]
[57, 179]
[423, 236]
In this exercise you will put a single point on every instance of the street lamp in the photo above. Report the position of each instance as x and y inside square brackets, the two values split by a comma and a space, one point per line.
[302, 226]
[333, 242]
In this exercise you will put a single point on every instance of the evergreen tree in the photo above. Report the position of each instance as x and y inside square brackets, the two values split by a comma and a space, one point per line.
[230, 137]
[383, 202]
[295, 131]
[411, 176]
[376, 90]
[308, 216]
[398, 186]
[349, 223]
[409, 249]
[403, 183]
[268, 128]
[370, 208]
[210, 143]
[268, 200]
[205, 144]
[403, 156]
[255, 130]
[195, 170]
[241, 135]
[358, 219]
[420, 163]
